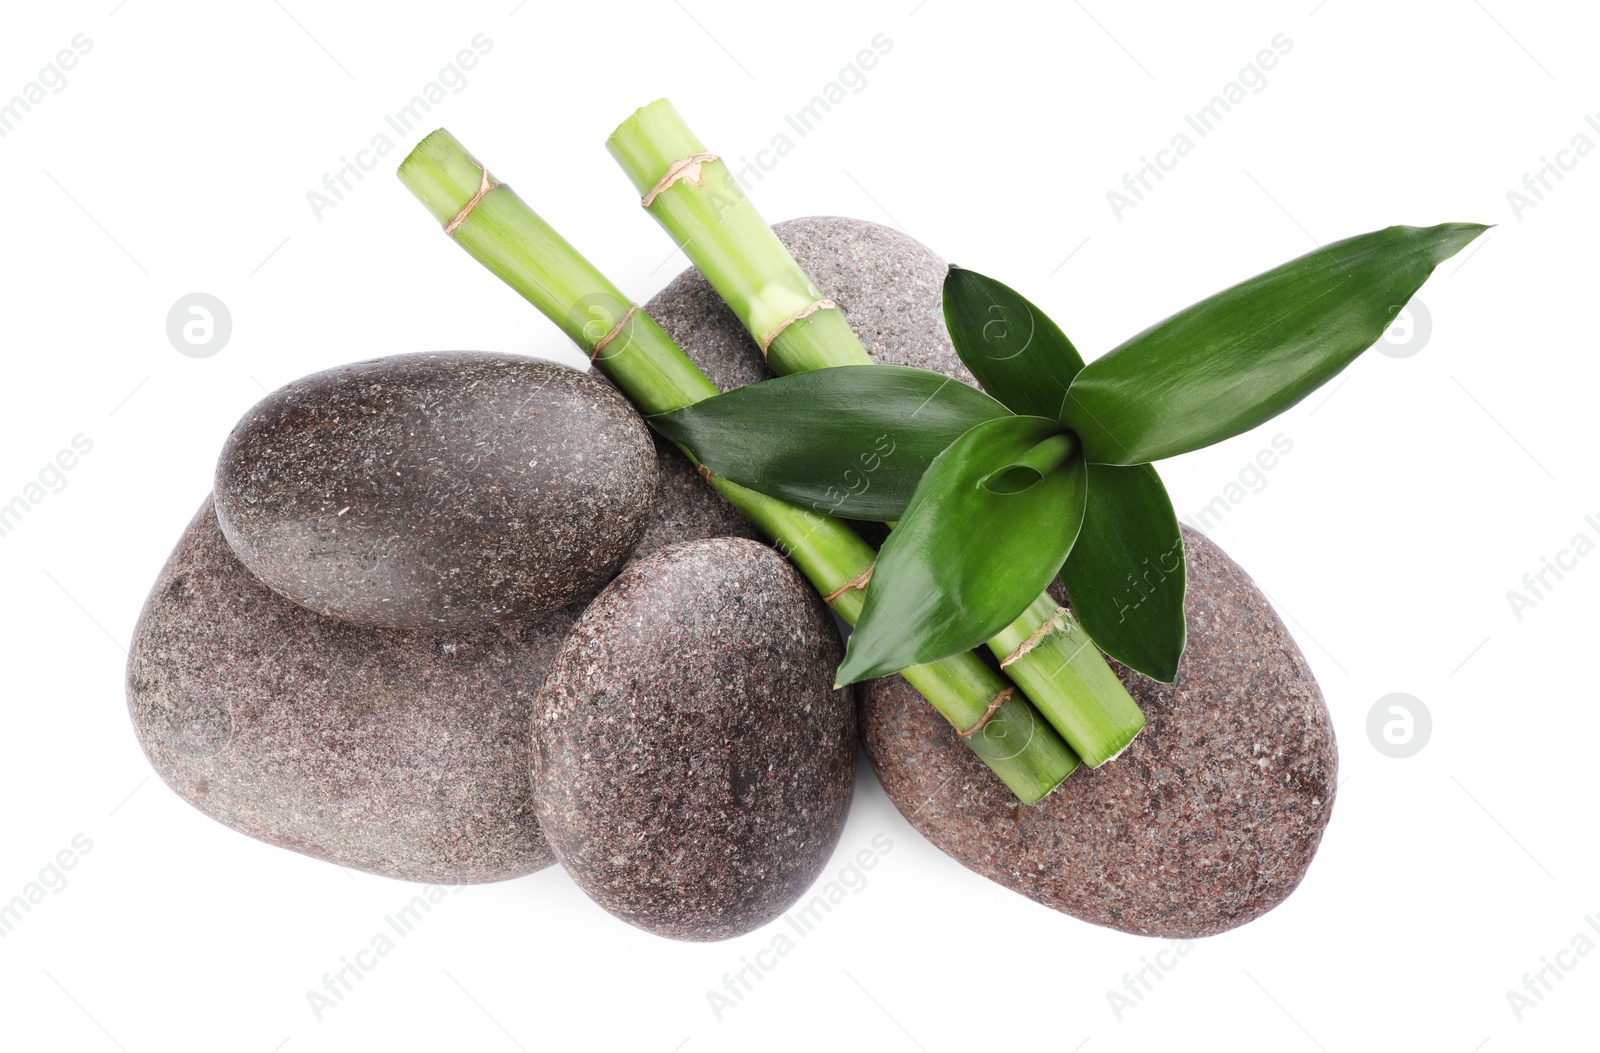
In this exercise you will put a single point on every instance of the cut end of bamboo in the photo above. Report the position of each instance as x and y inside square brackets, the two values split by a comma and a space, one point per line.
[442, 175]
[650, 141]
[1107, 746]
[1120, 751]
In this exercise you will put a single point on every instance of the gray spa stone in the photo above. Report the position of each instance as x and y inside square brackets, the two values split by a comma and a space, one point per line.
[686, 508]
[693, 765]
[437, 490]
[401, 753]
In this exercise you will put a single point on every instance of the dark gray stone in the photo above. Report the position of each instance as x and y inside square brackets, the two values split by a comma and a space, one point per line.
[686, 507]
[1206, 822]
[434, 490]
[693, 765]
[401, 753]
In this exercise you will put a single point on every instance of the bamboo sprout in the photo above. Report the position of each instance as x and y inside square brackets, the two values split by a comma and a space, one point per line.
[697, 201]
[495, 227]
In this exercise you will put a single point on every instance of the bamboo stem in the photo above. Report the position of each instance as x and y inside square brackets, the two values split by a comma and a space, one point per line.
[708, 214]
[1045, 650]
[494, 226]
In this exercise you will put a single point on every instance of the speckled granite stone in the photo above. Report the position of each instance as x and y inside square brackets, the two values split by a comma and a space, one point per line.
[693, 765]
[1208, 821]
[889, 287]
[399, 753]
[686, 508]
[437, 490]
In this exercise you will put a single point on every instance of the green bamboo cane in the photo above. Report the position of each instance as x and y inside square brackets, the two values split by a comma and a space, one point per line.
[694, 196]
[498, 230]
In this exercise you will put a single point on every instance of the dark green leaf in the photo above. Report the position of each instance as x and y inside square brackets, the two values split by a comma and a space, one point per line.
[1247, 354]
[1016, 352]
[1032, 466]
[965, 561]
[850, 441]
[1126, 573]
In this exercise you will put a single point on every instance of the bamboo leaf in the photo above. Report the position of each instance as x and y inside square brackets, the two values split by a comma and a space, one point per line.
[1241, 357]
[849, 441]
[1031, 468]
[1017, 353]
[1126, 573]
[965, 561]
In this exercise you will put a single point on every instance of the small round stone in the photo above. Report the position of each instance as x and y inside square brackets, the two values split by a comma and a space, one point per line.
[693, 765]
[1209, 820]
[436, 490]
[400, 753]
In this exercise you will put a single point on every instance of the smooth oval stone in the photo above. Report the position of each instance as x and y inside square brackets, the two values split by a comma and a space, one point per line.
[437, 490]
[401, 753]
[693, 765]
[890, 287]
[1207, 821]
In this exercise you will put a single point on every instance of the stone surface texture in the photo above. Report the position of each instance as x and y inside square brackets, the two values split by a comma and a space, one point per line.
[693, 765]
[437, 490]
[1209, 820]
[401, 753]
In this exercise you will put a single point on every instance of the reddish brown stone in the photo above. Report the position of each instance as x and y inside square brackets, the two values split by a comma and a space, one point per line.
[1206, 822]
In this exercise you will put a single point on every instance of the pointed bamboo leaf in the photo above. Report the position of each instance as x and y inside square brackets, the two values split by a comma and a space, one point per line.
[1017, 353]
[1126, 574]
[965, 561]
[1243, 356]
[850, 441]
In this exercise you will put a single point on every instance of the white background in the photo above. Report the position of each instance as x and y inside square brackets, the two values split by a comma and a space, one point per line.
[178, 158]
